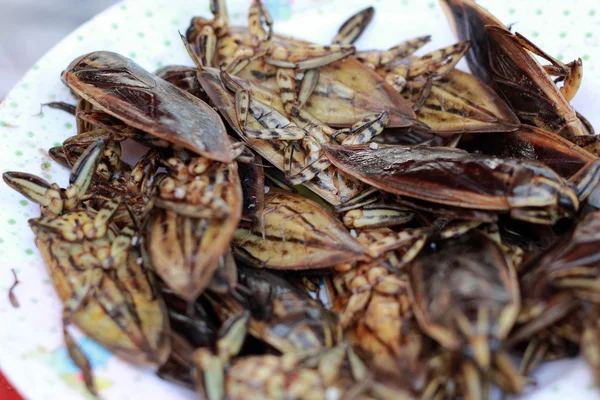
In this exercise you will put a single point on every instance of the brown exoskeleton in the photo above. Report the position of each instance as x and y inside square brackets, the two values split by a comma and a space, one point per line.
[559, 285]
[449, 177]
[503, 60]
[198, 203]
[465, 295]
[532, 143]
[281, 314]
[121, 88]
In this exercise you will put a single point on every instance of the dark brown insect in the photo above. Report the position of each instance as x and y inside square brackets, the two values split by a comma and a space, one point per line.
[531, 143]
[281, 314]
[465, 295]
[184, 78]
[252, 179]
[526, 189]
[503, 60]
[123, 89]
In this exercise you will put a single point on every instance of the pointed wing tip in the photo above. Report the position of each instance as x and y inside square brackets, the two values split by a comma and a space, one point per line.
[9, 177]
[223, 156]
[397, 120]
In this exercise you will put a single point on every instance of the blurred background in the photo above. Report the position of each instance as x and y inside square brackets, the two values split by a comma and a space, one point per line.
[31, 27]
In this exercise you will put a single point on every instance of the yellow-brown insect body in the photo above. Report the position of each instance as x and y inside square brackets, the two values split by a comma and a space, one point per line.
[461, 103]
[122, 310]
[375, 310]
[198, 207]
[330, 184]
[294, 233]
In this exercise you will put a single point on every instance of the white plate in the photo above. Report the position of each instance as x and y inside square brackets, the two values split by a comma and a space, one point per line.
[32, 354]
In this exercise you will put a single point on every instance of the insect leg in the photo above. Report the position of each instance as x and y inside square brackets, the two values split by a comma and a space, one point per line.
[366, 129]
[307, 57]
[206, 45]
[34, 188]
[209, 372]
[377, 216]
[415, 238]
[585, 180]
[100, 224]
[286, 80]
[573, 80]
[309, 82]
[439, 62]
[354, 26]
[258, 17]
[403, 50]
[72, 305]
[423, 93]
[82, 107]
[82, 173]
[59, 105]
[309, 171]
[221, 17]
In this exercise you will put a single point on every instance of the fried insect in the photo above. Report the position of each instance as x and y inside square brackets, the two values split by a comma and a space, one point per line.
[560, 287]
[294, 233]
[196, 210]
[96, 270]
[372, 300]
[315, 374]
[281, 315]
[126, 91]
[265, 113]
[445, 100]
[235, 50]
[526, 189]
[465, 295]
[503, 60]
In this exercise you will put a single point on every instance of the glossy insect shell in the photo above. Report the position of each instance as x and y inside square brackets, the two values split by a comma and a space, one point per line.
[453, 177]
[123, 89]
[496, 58]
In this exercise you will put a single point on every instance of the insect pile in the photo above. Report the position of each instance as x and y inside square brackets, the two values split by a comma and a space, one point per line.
[321, 222]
